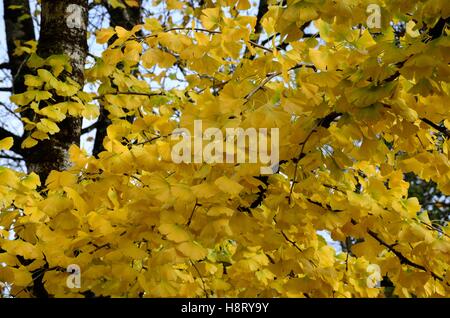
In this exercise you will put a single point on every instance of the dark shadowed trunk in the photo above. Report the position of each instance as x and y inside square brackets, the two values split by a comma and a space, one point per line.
[263, 7]
[126, 17]
[18, 27]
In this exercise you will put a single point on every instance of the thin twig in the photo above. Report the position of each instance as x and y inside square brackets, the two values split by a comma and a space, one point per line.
[10, 111]
[202, 30]
[441, 129]
[299, 157]
[324, 122]
[201, 278]
[403, 259]
[271, 76]
[293, 243]
[129, 93]
[192, 213]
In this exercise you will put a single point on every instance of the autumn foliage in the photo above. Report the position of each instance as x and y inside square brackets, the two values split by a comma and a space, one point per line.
[357, 107]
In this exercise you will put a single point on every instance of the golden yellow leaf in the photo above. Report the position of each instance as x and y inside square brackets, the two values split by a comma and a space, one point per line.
[6, 143]
[174, 232]
[192, 250]
[228, 186]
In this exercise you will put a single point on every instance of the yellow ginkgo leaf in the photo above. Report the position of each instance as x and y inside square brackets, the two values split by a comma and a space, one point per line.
[228, 186]
[220, 210]
[79, 203]
[174, 5]
[192, 250]
[29, 142]
[22, 277]
[157, 57]
[60, 178]
[47, 126]
[90, 111]
[132, 3]
[243, 5]
[174, 232]
[122, 32]
[322, 59]
[104, 35]
[32, 181]
[6, 143]
[19, 247]
[210, 17]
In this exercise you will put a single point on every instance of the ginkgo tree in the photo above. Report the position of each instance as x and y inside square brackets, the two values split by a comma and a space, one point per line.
[357, 108]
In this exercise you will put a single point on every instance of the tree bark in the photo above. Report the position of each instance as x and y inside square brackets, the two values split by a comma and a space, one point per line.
[263, 7]
[63, 31]
[126, 17]
[19, 29]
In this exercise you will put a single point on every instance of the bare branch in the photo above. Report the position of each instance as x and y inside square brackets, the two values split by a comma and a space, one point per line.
[13, 113]
[90, 128]
[271, 76]
[441, 129]
[401, 257]
[324, 122]
[129, 93]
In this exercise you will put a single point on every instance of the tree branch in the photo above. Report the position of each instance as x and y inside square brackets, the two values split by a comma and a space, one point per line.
[439, 27]
[202, 30]
[324, 122]
[294, 244]
[401, 257]
[3, 156]
[90, 128]
[327, 206]
[441, 129]
[10, 111]
[271, 76]
[129, 93]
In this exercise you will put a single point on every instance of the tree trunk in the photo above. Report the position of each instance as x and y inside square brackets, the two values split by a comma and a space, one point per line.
[17, 29]
[126, 17]
[63, 31]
